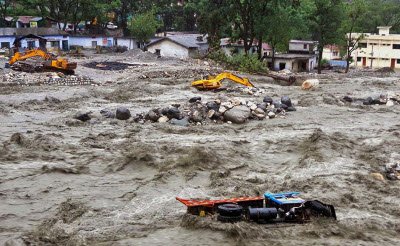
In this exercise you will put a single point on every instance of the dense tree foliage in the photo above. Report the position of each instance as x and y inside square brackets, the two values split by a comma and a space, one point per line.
[250, 21]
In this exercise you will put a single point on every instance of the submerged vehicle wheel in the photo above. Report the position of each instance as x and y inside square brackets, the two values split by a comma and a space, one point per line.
[229, 219]
[230, 210]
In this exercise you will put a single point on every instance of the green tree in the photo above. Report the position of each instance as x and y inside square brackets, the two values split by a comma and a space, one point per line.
[212, 19]
[144, 26]
[281, 22]
[355, 12]
[325, 22]
[243, 17]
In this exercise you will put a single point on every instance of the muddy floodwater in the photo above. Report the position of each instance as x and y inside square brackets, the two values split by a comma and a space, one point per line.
[112, 182]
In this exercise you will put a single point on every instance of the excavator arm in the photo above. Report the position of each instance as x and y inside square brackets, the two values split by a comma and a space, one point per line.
[18, 56]
[215, 82]
[50, 62]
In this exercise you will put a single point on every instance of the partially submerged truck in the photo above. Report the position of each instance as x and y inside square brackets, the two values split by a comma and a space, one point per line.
[269, 208]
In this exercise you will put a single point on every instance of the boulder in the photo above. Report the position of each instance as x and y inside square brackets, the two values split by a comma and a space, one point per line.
[194, 99]
[182, 122]
[377, 176]
[368, 101]
[237, 114]
[173, 113]
[212, 106]
[211, 113]
[262, 106]
[286, 101]
[271, 115]
[390, 103]
[163, 119]
[82, 116]
[222, 109]
[122, 113]
[197, 116]
[153, 116]
[268, 99]
[347, 99]
[259, 111]
[107, 113]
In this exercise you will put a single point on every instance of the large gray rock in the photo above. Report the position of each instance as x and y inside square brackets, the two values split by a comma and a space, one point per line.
[237, 114]
[82, 116]
[268, 99]
[122, 113]
[197, 116]
[153, 116]
[107, 113]
[182, 122]
[172, 113]
[286, 101]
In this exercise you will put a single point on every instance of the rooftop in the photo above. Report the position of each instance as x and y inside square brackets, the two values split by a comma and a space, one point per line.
[302, 41]
[187, 41]
[39, 31]
[294, 56]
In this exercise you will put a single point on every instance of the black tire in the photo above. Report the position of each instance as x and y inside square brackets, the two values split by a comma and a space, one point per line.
[229, 219]
[230, 210]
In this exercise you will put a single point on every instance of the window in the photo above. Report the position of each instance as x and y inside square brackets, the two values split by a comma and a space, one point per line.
[359, 59]
[305, 46]
[396, 46]
[398, 61]
[335, 53]
[55, 44]
[5, 45]
[31, 44]
[362, 45]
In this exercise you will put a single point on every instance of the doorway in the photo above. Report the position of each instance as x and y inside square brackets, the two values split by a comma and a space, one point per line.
[65, 45]
[364, 61]
[393, 63]
[282, 65]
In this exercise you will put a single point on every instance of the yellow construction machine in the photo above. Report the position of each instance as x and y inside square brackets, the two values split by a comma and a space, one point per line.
[215, 82]
[45, 61]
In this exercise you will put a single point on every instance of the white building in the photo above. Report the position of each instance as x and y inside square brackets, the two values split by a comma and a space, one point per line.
[331, 52]
[301, 57]
[179, 46]
[378, 50]
[56, 39]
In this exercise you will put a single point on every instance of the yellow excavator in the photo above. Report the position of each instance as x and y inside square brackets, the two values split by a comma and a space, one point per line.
[215, 82]
[47, 61]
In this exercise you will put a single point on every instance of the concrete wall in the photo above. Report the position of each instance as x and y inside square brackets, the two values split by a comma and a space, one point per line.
[294, 65]
[9, 40]
[329, 54]
[300, 47]
[24, 43]
[87, 42]
[127, 42]
[169, 49]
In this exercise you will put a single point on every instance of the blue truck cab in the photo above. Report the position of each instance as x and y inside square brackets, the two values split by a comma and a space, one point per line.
[284, 200]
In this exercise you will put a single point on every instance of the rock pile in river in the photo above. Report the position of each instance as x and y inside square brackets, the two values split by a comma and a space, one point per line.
[234, 110]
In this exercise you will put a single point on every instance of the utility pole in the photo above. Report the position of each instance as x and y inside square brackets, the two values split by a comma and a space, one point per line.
[372, 55]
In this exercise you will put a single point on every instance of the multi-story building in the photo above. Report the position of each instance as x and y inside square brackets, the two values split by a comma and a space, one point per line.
[301, 57]
[378, 50]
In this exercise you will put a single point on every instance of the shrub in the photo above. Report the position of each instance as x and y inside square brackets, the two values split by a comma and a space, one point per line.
[240, 62]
